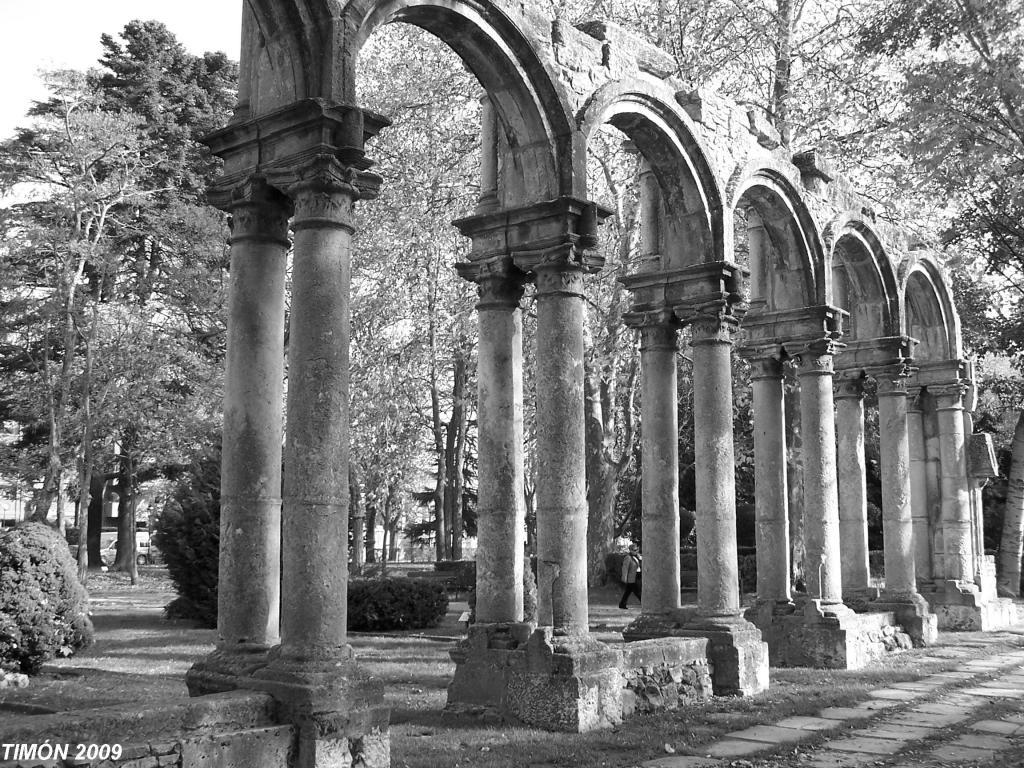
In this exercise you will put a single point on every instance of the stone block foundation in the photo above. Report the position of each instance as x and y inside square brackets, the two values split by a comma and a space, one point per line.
[963, 608]
[737, 654]
[812, 637]
[515, 674]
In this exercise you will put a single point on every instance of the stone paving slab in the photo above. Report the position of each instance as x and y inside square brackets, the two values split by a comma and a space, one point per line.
[827, 759]
[879, 705]
[805, 723]
[899, 732]
[682, 761]
[996, 693]
[982, 741]
[845, 713]
[893, 693]
[996, 726]
[940, 708]
[733, 748]
[866, 745]
[924, 685]
[962, 754]
[768, 734]
[929, 719]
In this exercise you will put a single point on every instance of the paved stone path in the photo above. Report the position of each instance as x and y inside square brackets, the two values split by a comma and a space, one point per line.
[973, 716]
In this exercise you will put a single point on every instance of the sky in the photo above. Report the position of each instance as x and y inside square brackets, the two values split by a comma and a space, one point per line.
[61, 34]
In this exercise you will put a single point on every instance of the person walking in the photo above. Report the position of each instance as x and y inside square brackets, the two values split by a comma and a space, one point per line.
[630, 575]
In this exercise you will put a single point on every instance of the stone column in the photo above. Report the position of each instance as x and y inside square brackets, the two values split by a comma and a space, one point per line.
[561, 459]
[821, 510]
[894, 458]
[501, 513]
[958, 554]
[488, 157]
[650, 218]
[770, 488]
[248, 599]
[918, 486]
[715, 466]
[660, 471]
[316, 494]
[852, 486]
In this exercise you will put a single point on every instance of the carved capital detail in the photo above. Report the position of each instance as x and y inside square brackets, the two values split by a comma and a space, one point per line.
[891, 379]
[559, 280]
[765, 368]
[948, 395]
[817, 357]
[500, 283]
[259, 212]
[659, 336]
[713, 326]
[848, 388]
[325, 190]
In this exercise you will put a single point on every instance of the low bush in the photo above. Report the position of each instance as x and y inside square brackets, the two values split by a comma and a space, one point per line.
[187, 533]
[43, 607]
[405, 603]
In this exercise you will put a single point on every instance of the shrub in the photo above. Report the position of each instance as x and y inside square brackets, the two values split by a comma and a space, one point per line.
[404, 603]
[43, 607]
[187, 533]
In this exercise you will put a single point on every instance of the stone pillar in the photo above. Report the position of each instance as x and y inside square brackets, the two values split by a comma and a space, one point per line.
[340, 712]
[248, 599]
[958, 550]
[488, 157]
[919, 487]
[660, 471]
[650, 218]
[852, 486]
[821, 510]
[715, 466]
[900, 595]
[561, 459]
[501, 512]
[770, 487]
[894, 460]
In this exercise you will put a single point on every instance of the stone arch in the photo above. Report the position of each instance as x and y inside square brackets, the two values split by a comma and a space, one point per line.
[863, 279]
[691, 196]
[931, 317]
[787, 262]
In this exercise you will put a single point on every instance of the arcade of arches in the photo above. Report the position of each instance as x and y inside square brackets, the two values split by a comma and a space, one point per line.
[826, 289]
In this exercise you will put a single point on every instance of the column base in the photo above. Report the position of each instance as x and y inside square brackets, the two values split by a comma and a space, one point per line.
[225, 670]
[859, 598]
[769, 616]
[829, 636]
[961, 607]
[912, 613]
[518, 675]
[339, 711]
[737, 654]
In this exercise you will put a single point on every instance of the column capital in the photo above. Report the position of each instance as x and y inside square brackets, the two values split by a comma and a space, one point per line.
[499, 282]
[259, 212]
[713, 325]
[765, 368]
[891, 379]
[948, 395]
[847, 387]
[815, 358]
[324, 191]
[559, 280]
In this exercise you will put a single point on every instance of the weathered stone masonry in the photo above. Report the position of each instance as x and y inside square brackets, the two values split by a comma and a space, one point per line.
[822, 286]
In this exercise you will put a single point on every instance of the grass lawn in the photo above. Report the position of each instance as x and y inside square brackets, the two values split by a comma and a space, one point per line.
[140, 656]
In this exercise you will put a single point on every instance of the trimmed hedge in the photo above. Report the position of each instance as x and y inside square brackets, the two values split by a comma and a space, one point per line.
[43, 608]
[462, 573]
[187, 533]
[404, 603]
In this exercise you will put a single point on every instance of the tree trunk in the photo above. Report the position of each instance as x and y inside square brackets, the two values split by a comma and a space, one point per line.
[84, 497]
[455, 450]
[783, 66]
[358, 517]
[94, 519]
[1011, 543]
[794, 478]
[371, 533]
